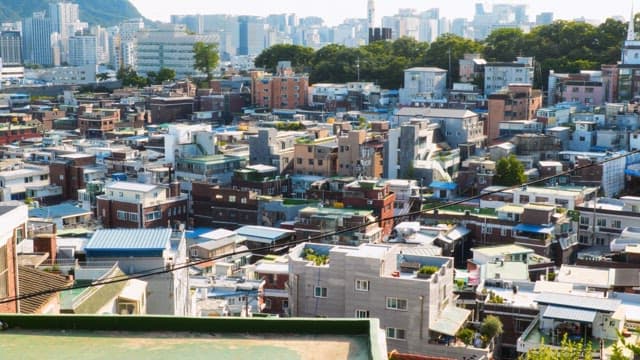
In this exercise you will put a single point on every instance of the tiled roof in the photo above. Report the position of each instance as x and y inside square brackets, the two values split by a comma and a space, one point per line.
[33, 281]
[130, 239]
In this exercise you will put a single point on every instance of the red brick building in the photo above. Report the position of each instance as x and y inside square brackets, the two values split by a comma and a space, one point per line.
[67, 171]
[285, 90]
[133, 205]
[97, 123]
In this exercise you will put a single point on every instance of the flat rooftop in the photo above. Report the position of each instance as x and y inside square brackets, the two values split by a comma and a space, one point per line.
[100, 337]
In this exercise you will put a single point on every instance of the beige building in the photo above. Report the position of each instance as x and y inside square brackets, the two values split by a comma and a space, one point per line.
[316, 157]
[518, 102]
[360, 153]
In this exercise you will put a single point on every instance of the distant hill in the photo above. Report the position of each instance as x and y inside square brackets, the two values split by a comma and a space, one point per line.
[95, 12]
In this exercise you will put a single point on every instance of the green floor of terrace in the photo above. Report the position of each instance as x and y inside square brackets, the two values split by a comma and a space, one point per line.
[83, 344]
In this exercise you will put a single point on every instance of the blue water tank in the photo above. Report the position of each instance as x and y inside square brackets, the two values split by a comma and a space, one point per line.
[119, 177]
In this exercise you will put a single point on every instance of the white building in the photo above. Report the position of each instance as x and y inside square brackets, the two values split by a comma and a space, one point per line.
[422, 84]
[65, 75]
[169, 47]
[83, 50]
[15, 180]
[498, 75]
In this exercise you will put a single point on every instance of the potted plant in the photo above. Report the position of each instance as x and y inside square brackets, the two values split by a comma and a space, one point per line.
[426, 271]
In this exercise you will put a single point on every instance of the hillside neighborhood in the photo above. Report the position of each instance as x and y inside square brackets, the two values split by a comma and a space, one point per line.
[479, 210]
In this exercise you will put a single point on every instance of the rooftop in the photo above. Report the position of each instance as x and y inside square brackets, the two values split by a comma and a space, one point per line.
[263, 233]
[57, 211]
[131, 186]
[96, 337]
[130, 239]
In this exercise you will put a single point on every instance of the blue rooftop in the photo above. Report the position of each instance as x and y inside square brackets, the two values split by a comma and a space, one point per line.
[534, 228]
[57, 211]
[443, 185]
[129, 240]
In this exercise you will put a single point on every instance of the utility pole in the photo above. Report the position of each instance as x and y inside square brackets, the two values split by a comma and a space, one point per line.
[449, 75]
[358, 68]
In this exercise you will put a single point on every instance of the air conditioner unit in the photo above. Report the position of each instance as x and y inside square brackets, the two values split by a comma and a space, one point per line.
[369, 202]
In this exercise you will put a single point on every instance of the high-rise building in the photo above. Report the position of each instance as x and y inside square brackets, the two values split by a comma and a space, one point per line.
[251, 34]
[11, 47]
[82, 50]
[371, 13]
[168, 46]
[65, 20]
[37, 39]
[102, 44]
[194, 23]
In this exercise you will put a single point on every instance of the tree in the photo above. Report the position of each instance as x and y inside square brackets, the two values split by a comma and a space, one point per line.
[165, 74]
[102, 76]
[205, 58]
[569, 350]
[447, 49]
[491, 327]
[509, 172]
[300, 57]
[504, 44]
[466, 335]
[130, 77]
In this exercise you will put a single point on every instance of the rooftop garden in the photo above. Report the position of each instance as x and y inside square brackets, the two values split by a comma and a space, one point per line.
[311, 255]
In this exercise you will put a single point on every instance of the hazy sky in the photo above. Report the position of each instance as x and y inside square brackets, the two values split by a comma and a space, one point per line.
[334, 11]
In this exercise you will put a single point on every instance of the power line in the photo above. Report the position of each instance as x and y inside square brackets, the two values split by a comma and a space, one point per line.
[159, 271]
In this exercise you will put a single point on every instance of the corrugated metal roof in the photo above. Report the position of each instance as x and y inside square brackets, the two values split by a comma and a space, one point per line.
[577, 301]
[130, 239]
[450, 321]
[566, 313]
[258, 233]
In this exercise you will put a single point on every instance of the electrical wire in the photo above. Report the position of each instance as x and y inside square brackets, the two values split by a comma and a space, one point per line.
[159, 271]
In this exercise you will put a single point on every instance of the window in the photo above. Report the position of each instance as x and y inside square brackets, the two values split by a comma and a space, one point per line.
[394, 303]
[320, 162]
[133, 217]
[267, 304]
[285, 304]
[232, 198]
[121, 194]
[299, 161]
[362, 285]
[601, 222]
[151, 216]
[616, 224]
[584, 220]
[4, 273]
[395, 333]
[243, 200]
[362, 314]
[121, 215]
[137, 196]
[310, 161]
[19, 235]
[320, 292]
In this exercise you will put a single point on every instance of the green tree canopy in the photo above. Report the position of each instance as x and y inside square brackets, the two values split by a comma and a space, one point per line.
[438, 53]
[504, 45]
[130, 77]
[300, 57]
[509, 172]
[205, 58]
[491, 327]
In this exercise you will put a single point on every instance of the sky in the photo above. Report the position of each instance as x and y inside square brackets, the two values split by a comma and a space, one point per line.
[334, 11]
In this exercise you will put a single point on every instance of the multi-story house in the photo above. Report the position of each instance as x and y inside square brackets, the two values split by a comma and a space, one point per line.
[516, 102]
[68, 171]
[263, 179]
[459, 127]
[274, 148]
[498, 75]
[144, 250]
[471, 67]
[349, 193]
[602, 220]
[98, 122]
[284, 90]
[360, 154]
[215, 169]
[593, 170]
[17, 177]
[341, 226]
[423, 84]
[380, 281]
[316, 156]
[214, 206]
[13, 227]
[275, 274]
[134, 205]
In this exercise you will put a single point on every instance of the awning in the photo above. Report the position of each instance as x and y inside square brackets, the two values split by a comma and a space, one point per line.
[534, 228]
[450, 321]
[567, 313]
